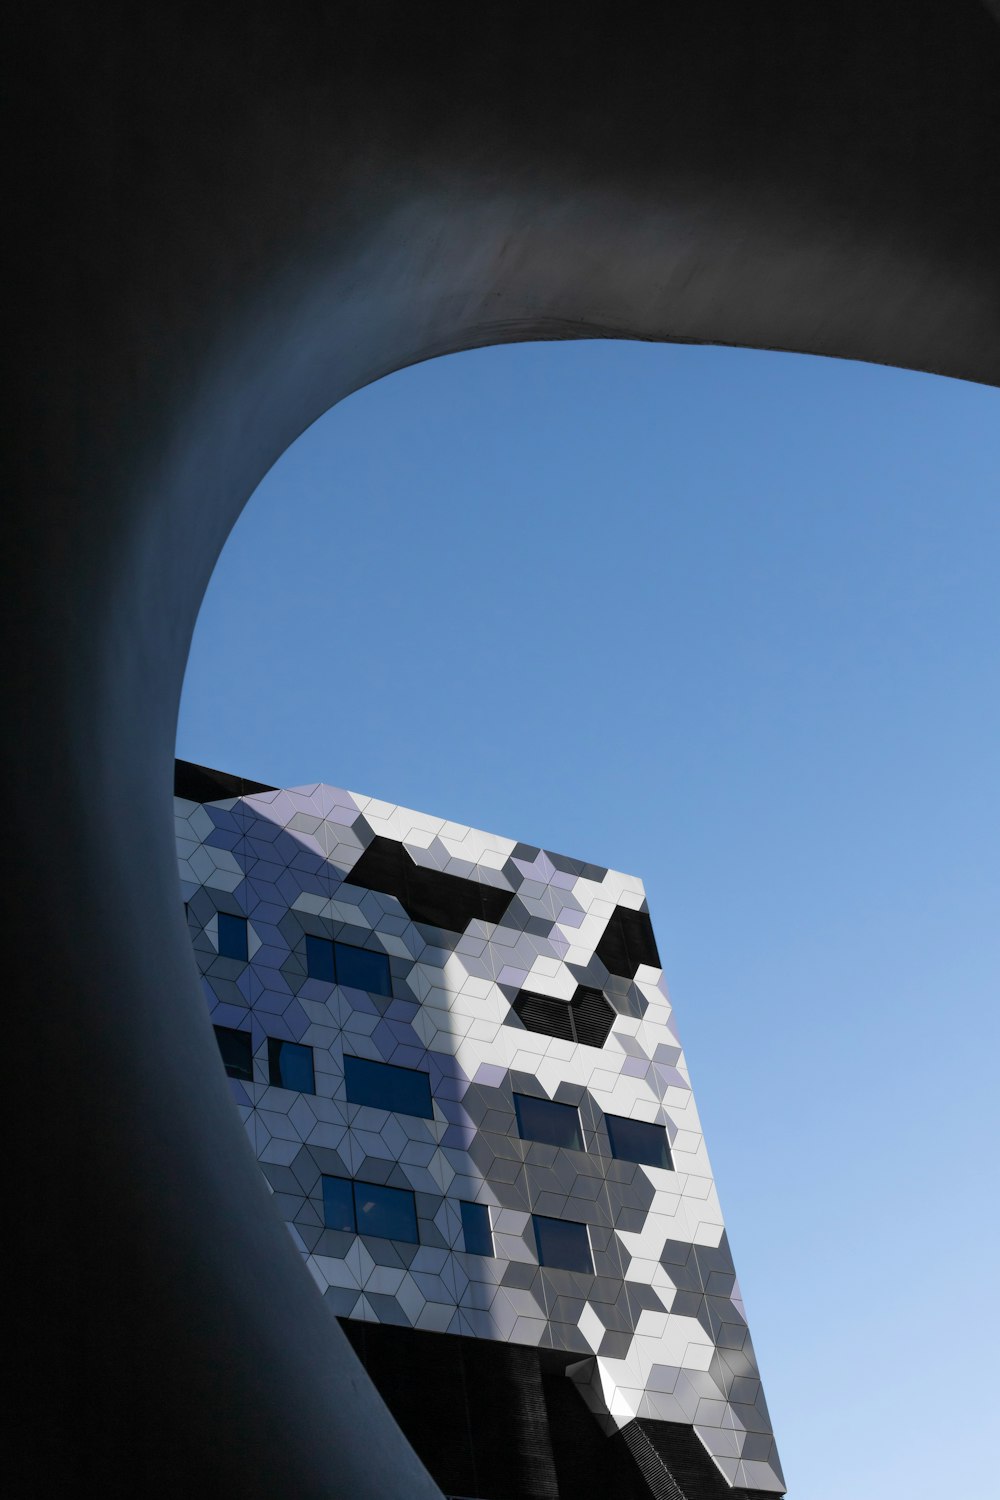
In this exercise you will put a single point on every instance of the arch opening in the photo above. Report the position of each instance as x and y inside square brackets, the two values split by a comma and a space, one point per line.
[838, 571]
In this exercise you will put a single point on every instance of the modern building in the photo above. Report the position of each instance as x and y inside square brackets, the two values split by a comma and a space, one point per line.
[457, 1065]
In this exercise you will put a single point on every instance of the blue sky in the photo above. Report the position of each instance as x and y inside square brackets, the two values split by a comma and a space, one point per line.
[727, 620]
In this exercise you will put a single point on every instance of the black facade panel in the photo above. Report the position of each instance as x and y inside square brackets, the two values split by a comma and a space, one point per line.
[627, 942]
[474, 1410]
[201, 784]
[496, 1421]
[428, 896]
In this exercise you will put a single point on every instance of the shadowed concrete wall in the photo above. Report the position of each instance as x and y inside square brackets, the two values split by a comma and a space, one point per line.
[227, 217]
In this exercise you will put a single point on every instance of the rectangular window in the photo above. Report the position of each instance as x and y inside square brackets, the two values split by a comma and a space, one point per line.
[343, 963]
[562, 1244]
[476, 1229]
[236, 1048]
[405, 1090]
[388, 1212]
[232, 936]
[290, 1066]
[319, 959]
[362, 969]
[367, 1208]
[636, 1140]
[338, 1204]
[544, 1120]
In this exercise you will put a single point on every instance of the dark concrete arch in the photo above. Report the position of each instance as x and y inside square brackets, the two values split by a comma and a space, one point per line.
[227, 218]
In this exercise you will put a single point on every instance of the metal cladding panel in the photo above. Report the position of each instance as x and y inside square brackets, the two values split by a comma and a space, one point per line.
[657, 1331]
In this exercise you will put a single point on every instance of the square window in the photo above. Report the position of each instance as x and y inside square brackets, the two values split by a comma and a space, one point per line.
[290, 1066]
[390, 1213]
[476, 1229]
[232, 936]
[338, 1204]
[367, 1208]
[638, 1141]
[319, 958]
[362, 969]
[544, 1120]
[384, 1086]
[236, 1048]
[562, 1244]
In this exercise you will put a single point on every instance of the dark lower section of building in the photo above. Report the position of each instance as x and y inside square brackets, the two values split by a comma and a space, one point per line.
[495, 1421]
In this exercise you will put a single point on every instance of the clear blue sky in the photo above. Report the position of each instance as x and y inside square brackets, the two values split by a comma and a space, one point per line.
[728, 621]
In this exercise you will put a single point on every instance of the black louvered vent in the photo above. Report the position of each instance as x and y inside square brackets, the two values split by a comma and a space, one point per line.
[587, 1018]
[662, 1484]
[675, 1465]
[592, 1016]
[540, 1013]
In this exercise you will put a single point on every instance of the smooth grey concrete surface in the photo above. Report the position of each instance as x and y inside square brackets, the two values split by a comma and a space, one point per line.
[220, 220]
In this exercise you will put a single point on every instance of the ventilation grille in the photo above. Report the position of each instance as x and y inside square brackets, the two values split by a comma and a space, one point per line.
[550, 1017]
[587, 1018]
[651, 1466]
[592, 1016]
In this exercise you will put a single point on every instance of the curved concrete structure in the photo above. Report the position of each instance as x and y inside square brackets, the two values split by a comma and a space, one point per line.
[227, 218]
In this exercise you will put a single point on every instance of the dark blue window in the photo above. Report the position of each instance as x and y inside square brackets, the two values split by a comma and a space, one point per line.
[362, 969]
[338, 1204]
[236, 1048]
[476, 1229]
[366, 1208]
[406, 1090]
[544, 1120]
[342, 963]
[290, 1066]
[636, 1140]
[388, 1212]
[232, 936]
[319, 958]
[562, 1244]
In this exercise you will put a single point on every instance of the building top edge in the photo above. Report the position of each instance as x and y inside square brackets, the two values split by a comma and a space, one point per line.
[418, 831]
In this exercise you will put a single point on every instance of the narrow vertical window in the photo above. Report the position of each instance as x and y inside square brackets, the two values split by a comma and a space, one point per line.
[232, 936]
[319, 958]
[338, 1204]
[236, 1050]
[476, 1229]
[290, 1066]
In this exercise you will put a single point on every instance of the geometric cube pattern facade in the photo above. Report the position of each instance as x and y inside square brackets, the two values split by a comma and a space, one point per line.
[658, 1330]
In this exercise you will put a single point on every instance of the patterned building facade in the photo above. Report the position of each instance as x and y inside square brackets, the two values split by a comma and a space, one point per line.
[457, 1064]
